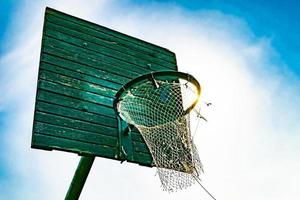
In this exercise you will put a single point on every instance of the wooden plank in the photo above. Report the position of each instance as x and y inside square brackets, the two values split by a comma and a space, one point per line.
[77, 84]
[138, 144]
[88, 56]
[76, 114]
[136, 136]
[107, 37]
[112, 35]
[140, 147]
[75, 134]
[75, 93]
[78, 76]
[103, 71]
[142, 159]
[86, 41]
[66, 28]
[81, 148]
[100, 63]
[78, 104]
[73, 123]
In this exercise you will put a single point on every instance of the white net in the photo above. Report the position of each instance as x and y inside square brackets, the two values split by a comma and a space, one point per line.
[159, 113]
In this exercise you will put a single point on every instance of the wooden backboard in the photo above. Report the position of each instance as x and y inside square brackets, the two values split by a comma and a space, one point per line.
[82, 66]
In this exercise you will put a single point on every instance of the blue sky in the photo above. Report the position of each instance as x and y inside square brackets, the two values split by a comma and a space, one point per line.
[7, 9]
[277, 20]
[245, 56]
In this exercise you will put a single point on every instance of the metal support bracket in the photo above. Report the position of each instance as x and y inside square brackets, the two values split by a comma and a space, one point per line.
[125, 142]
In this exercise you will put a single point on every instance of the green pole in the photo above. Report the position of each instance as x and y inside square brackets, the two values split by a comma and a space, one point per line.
[80, 176]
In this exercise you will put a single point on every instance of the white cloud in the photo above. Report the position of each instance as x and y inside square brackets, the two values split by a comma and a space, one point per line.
[249, 146]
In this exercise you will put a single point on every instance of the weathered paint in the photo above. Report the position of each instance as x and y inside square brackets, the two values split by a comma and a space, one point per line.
[82, 66]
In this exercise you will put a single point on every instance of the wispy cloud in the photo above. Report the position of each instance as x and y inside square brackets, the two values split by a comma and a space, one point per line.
[249, 146]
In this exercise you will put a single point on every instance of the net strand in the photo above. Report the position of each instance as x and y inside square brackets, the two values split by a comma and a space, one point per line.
[158, 112]
[198, 181]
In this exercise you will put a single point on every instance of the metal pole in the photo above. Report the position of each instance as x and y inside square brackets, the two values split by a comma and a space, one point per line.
[79, 178]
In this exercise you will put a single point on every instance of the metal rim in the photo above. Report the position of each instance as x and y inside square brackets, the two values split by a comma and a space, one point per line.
[159, 74]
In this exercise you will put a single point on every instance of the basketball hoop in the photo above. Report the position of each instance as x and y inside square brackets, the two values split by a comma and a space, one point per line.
[158, 105]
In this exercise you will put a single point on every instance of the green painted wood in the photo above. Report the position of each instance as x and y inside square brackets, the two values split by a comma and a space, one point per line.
[70, 145]
[136, 136]
[55, 77]
[99, 70]
[63, 29]
[74, 103]
[108, 73]
[76, 74]
[125, 55]
[82, 66]
[107, 65]
[140, 147]
[113, 36]
[74, 123]
[75, 114]
[85, 56]
[72, 92]
[99, 37]
[75, 134]
[142, 158]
